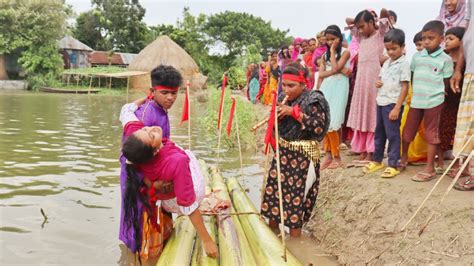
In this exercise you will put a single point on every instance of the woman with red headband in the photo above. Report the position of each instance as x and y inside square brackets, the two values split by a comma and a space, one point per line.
[304, 121]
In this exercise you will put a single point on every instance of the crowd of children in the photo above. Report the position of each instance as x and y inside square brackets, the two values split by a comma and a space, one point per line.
[380, 100]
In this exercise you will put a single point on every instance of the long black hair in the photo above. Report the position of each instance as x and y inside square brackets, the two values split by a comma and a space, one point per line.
[336, 31]
[135, 151]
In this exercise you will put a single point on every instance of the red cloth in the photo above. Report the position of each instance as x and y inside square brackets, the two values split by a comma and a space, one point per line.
[171, 163]
[269, 138]
[185, 115]
[231, 117]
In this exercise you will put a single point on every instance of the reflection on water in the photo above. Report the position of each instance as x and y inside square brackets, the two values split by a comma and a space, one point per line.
[60, 153]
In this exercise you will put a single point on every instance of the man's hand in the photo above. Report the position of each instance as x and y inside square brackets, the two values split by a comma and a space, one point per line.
[378, 84]
[455, 81]
[393, 115]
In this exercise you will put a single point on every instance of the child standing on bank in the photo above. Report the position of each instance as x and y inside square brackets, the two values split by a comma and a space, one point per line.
[392, 91]
[453, 40]
[431, 69]
[362, 119]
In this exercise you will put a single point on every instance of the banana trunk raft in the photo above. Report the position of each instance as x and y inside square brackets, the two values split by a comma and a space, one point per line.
[243, 239]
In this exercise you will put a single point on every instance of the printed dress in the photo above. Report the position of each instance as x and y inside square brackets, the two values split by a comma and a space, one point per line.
[362, 115]
[299, 162]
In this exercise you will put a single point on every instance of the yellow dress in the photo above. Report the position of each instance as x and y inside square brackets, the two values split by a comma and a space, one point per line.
[270, 87]
[418, 149]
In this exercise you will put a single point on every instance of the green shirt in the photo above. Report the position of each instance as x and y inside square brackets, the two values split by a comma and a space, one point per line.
[429, 72]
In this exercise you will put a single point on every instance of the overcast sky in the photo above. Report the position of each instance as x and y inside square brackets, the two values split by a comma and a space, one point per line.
[301, 18]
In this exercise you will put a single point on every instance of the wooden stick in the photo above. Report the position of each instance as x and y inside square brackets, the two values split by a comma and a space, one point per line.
[265, 175]
[128, 85]
[189, 114]
[221, 108]
[280, 194]
[461, 169]
[434, 187]
[90, 85]
[240, 147]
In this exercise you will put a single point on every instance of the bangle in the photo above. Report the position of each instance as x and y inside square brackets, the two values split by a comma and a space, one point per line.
[296, 112]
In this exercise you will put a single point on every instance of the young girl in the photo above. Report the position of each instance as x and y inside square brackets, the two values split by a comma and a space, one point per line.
[370, 56]
[449, 114]
[159, 159]
[335, 87]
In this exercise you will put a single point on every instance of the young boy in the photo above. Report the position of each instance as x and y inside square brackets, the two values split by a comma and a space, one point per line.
[449, 114]
[417, 40]
[431, 69]
[392, 91]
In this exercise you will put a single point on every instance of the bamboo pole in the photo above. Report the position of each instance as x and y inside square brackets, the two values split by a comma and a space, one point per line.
[189, 115]
[240, 146]
[128, 85]
[437, 183]
[264, 243]
[280, 194]
[265, 176]
[461, 169]
[234, 248]
[178, 250]
[90, 85]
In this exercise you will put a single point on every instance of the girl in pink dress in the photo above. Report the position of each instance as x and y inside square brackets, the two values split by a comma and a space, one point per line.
[362, 115]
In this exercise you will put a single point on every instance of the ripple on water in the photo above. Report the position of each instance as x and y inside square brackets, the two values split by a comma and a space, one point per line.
[13, 229]
[48, 132]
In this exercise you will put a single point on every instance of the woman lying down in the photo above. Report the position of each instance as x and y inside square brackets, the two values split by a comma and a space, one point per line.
[150, 158]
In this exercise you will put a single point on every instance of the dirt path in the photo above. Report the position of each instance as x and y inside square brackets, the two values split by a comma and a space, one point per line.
[358, 219]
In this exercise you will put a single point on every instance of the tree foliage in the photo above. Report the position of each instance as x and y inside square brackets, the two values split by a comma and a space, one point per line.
[113, 24]
[34, 27]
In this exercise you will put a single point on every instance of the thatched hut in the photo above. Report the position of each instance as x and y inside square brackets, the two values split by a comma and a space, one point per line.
[165, 51]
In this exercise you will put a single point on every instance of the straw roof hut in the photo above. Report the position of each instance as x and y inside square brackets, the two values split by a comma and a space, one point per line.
[165, 51]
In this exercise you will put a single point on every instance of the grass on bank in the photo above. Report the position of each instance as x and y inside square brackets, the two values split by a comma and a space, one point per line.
[247, 117]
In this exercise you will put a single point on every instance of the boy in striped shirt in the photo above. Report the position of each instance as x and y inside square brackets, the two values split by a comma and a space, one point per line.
[431, 69]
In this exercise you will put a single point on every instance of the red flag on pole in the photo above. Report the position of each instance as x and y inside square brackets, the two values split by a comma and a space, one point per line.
[185, 115]
[269, 139]
[219, 117]
[231, 117]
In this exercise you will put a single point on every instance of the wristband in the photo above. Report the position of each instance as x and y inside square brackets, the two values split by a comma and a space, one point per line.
[296, 112]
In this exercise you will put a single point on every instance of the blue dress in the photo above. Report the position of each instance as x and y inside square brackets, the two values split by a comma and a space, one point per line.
[254, 87]
[336, 91]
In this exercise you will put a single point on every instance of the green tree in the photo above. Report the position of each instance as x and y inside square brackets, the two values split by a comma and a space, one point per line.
[119, 23]
[34, 27]
[87, 30]
[235, 31]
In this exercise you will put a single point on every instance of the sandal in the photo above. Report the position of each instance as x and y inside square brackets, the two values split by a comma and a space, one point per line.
[423, 177]
[465, 185]
[372, 167]
[390, 172]
[335, 165]
[454, 171]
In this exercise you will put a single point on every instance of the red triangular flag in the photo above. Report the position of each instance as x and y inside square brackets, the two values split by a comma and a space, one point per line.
[231, 117]
[269, 139]
[185, 115]
[224, 84]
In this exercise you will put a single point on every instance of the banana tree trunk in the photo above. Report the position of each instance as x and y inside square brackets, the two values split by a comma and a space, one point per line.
[234, 248]
[199, 254]
[266, 246]
[179, 248]
[3, 68]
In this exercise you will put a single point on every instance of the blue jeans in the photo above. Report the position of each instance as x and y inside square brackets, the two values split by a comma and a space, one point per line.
[387, 129]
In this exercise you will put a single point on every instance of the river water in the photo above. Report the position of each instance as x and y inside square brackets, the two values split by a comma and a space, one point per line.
[60, 153]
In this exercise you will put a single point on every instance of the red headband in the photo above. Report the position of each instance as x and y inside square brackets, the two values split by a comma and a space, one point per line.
[160, 87]
[298, 78]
